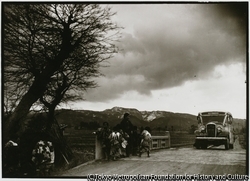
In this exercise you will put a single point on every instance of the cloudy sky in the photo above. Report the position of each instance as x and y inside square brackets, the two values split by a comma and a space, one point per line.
[182, 58]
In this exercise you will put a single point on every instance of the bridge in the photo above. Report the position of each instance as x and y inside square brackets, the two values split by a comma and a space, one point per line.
[158, 142]
[169, 161]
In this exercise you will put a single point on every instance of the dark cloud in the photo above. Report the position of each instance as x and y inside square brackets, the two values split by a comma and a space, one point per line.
[167, 51]
[238, 11]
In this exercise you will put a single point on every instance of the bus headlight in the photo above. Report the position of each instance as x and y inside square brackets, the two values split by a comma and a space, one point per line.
[203, 129]
[219, 129]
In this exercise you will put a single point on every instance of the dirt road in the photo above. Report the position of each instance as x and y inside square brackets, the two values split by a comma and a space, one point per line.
[180, 161]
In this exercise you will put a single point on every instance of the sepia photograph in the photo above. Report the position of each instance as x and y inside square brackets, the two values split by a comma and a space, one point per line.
[120, 91]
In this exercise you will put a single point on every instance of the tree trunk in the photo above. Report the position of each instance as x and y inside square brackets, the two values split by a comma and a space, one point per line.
[62, 150]
[50, 119]
[21, 111]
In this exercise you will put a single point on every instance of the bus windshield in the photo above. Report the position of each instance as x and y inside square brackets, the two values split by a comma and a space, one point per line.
[218, 119]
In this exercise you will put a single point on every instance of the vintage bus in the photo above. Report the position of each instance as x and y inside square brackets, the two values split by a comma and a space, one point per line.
[214, 128]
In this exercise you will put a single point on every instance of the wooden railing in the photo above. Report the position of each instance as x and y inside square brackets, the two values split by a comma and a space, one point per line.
[159, 142]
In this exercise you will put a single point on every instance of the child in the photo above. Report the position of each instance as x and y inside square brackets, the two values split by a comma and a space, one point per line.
[123, 142]
[115, 145]
[145, 142]
[103, 135]
[43, 156]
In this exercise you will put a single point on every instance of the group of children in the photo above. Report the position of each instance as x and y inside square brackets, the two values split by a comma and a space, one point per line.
[40, 164]
[122, 141]
[117, 143]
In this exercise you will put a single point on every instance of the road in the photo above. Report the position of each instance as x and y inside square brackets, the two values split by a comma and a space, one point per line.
[179, 161]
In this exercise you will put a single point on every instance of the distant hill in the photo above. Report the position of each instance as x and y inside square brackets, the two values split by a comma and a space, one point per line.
[238, 124]
[154, 119]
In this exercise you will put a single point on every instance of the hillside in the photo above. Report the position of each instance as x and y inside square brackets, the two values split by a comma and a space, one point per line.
[158, 120]
[154, 119]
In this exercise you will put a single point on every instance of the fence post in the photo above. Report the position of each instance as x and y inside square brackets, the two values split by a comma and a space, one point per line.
[167, 133]
[98, 149]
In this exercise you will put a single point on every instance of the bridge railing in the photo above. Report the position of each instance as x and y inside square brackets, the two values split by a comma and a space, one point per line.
[158, 142]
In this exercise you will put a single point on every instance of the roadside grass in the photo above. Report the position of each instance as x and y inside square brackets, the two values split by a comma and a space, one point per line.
[80, 155]
[242, 140]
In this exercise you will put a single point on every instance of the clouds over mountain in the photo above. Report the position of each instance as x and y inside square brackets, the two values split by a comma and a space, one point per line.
[165, 45]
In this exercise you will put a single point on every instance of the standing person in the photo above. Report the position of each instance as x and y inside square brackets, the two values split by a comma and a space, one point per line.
[145, 142]
[135, 140]
[115, 149]
[11, 158]
[127, 127]
[103, 135]
[123, 142]
[43, 156]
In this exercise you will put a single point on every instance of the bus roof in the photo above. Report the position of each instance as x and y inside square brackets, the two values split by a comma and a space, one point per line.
[214, 113]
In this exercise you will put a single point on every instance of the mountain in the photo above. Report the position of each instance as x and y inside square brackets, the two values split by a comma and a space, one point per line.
[154, 119]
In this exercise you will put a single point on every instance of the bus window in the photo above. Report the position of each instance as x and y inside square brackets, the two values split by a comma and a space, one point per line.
[199, 119]
[230, 120]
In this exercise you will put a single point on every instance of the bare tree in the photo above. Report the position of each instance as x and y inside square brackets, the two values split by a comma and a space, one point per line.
[49, 49]
[60, 89]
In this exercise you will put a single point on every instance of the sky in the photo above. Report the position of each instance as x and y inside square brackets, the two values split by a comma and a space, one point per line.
[183, 58]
